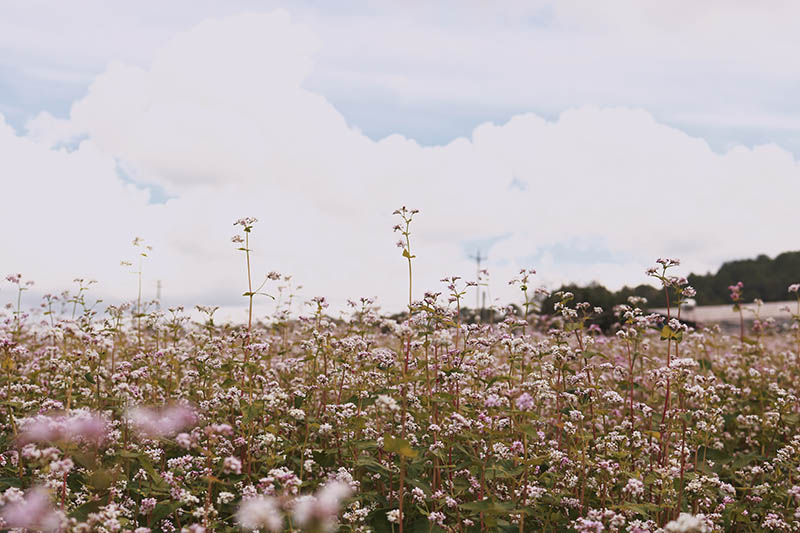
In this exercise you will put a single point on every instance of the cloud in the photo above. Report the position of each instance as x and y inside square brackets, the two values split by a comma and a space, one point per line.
[434, 70]
[222, 121]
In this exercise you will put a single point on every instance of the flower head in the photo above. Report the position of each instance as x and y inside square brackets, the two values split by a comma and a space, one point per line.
[260, 512]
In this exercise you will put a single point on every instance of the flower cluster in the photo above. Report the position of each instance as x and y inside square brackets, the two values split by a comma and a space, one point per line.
[433, 420]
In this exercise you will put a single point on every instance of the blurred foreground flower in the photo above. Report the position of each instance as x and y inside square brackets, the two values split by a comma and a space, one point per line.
[261, 512]
[32, 511]
[322, 509]
[687, 523]
[165, 422]
[76, 427]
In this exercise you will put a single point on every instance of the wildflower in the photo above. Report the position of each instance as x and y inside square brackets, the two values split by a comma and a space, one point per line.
[33, 511]
[246, 222]
[75, 427]
[794, 287]
[232, 465]
[736, 291]
[147, 505]
[225, 497]
[393, 516]
[260, 512]
[386, 404]
[524, 402]
[437, 517]
[322, 508]
[634, 487]
[687, 523]
[167, 422]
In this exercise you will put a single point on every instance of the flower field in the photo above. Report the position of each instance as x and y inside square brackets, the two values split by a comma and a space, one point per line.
[134, 419]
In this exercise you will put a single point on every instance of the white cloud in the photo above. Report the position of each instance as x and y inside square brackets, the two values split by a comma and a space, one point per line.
[222, 120]
[434, 70]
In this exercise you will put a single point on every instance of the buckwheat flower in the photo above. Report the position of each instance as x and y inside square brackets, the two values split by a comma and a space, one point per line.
[232, 465]
[184, 440]
[246, 222]
[76, 427]
[147, 505]
[736, 291]
[687, 523]
[142, 530]
[165, 422]
[218, 429]
[386, 404]
[493, 400]
[393, 516]
[794, 287]
[34, 511]
[322, 509]
[260, 512]
[297, 414]
[64, 466]
[524, 402]
[634, 487]
[225, 497]
[437, 517]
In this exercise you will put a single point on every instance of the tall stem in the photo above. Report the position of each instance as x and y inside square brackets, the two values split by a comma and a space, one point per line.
[249, 283]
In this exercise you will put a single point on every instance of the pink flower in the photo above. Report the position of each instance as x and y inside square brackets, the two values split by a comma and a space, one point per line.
[261, 512]
[524, 402]
[166, 422]
[736, 291]
[77, 427]
[232, 465]
[35, 511]
[322, 508]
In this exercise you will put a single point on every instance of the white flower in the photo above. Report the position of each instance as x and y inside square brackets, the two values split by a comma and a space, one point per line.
[386, 404]
[260, 512]
[687, 523]
[322, 508]
[232, 465]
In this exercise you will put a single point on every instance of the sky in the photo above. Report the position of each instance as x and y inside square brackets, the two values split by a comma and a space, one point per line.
[578, 138]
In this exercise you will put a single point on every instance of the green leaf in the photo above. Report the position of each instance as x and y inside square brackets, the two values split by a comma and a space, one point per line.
[744, 460]
[398, 446]
[644, 509]
[163, 510]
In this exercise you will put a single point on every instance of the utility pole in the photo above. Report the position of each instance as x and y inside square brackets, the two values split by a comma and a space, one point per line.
[478, 258]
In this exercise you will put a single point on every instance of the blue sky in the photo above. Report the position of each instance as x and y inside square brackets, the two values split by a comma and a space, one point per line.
[542, 131]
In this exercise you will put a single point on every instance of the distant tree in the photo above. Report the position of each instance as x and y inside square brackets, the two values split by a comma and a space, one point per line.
[764, 278]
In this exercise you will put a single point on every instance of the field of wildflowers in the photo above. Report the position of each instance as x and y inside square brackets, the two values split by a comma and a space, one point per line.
[140, 420]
